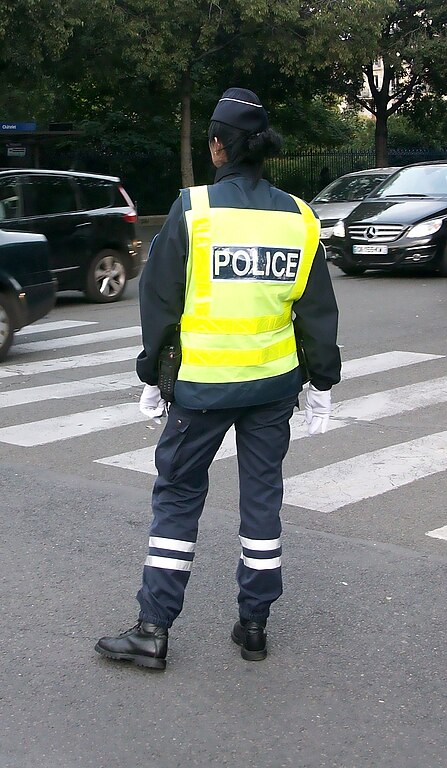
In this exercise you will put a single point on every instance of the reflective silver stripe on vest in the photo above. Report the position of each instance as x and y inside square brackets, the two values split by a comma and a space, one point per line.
[257, 564]
[160, 542]
[260, 545]
[169, 563]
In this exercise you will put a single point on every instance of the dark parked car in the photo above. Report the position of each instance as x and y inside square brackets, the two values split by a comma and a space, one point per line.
[88, 220]
[402, 224]
[27, 288]
[339, 198]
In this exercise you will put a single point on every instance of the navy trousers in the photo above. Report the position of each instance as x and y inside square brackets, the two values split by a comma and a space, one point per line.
[183, 456]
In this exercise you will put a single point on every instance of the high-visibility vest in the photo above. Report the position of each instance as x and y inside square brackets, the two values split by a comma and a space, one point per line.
[245, 269]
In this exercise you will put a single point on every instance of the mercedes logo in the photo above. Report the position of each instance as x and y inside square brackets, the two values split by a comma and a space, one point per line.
[370, 233]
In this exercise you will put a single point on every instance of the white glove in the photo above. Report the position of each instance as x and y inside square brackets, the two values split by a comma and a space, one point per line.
[317, 409]
[151, 402]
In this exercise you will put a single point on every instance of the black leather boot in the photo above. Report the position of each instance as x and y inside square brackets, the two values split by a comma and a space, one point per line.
[144, 644]
[252, 637]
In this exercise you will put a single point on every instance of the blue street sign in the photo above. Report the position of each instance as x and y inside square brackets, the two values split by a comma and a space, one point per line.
[5, 126]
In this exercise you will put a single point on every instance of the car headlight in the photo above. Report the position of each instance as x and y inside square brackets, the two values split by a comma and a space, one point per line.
[339, 229]
[425, 229]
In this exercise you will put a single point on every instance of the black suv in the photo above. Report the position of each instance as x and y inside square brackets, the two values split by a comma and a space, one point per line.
[88, 220]
[27, 288]
[401, 224]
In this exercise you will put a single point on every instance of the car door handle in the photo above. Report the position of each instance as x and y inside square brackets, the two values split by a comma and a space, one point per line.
[87, 224]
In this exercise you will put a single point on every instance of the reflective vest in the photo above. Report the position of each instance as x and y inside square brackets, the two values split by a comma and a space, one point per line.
[245, 269]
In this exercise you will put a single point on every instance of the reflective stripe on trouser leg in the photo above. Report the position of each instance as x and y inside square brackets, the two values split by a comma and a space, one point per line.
[184, 453]
[262, 435]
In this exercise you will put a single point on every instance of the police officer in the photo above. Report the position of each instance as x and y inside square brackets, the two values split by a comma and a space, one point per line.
[234, 263]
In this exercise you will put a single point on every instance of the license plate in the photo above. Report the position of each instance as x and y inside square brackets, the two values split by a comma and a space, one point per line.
[326, 232]
[358, 249]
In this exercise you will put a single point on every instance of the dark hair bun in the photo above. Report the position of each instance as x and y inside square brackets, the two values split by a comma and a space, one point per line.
[265, 144]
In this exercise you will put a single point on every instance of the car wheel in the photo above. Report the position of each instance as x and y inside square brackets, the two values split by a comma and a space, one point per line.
[107, 277]
[352, 271]
[7, 315]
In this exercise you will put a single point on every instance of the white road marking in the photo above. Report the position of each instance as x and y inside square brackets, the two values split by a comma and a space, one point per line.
[75, 361]
[367, 408]
[143, 459]
[391, 402]
[351, 368]
[74, 425]
[324, 490]
[56, 326]
[68, 389]
[438, 533]
[370, 474]
[77, 341]
[386, 361]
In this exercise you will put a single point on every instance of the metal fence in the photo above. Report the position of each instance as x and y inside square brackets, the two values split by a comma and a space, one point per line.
[305, 173]
[153, 181]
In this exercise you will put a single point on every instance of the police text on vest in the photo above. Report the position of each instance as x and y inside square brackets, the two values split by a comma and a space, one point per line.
[246, 262]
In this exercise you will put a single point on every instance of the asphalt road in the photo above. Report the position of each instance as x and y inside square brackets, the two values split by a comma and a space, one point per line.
[356, 673]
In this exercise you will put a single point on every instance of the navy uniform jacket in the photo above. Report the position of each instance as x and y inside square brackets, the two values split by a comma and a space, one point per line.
[162, 289]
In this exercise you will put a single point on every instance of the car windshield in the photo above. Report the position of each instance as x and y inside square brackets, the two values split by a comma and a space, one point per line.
[350, 188]
[417, 181]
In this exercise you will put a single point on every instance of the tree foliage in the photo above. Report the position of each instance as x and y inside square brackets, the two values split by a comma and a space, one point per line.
[33, 36]
[408, 36]
[176, 43]
[144, 75]
[35, 32]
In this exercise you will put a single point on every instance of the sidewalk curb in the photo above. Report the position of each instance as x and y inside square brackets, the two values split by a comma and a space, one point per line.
[154, 221]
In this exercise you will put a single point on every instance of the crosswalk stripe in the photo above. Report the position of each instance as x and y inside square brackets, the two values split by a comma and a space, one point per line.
[351, 368]
[325, 490]
[78, 341]
[68, 389]
[391, 402]
[385, 361]
[438, 533]
[143, 459]
[74, 425]
[370, 474]
[61, 325]
[76, 361]
[367, 408]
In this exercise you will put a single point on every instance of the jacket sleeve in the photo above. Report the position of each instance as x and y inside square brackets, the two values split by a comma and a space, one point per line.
[162, 291]
[316, 323]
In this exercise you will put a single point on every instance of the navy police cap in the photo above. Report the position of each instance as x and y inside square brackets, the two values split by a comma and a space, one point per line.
[241, 109]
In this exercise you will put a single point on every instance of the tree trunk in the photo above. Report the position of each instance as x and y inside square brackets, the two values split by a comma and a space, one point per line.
[185, 133]
[381, 100]
[381, 137]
